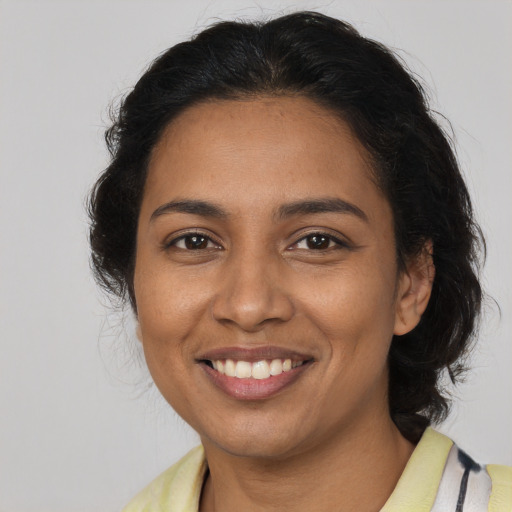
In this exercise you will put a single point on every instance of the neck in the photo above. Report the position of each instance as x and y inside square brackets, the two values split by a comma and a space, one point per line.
[355, 470]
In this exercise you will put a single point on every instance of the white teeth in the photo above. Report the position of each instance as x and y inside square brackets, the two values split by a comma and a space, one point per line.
[230, 368]
[258, 370]
[276, 367]
[243, 369]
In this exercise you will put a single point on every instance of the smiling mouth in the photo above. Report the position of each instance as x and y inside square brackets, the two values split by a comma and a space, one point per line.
[263, 369]
[255, 373]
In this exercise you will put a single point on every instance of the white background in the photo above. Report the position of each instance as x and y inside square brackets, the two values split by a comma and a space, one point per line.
[78, 431]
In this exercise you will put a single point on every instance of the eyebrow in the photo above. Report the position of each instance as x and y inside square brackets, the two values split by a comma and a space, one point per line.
[191, 206]
[305, 207]
[320, 205]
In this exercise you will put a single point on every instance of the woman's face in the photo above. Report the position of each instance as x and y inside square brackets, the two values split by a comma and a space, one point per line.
[266, 281]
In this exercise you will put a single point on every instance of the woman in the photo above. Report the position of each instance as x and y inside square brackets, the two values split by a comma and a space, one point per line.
[297, 243]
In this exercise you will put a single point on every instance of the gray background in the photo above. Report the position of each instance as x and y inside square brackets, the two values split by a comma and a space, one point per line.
[80, 429]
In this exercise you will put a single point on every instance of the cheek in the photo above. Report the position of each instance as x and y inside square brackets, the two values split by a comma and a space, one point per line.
[355, 315]
[170, 307]
[354, 309]
[164, 296]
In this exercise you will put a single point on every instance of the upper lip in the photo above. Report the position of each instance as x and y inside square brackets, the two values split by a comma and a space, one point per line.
[253, 354]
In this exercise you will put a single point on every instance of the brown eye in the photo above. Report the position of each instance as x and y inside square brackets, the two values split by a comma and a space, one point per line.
[193, 242]
[318, 242]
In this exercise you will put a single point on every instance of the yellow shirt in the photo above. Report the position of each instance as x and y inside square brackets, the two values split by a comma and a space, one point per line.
[439, 477]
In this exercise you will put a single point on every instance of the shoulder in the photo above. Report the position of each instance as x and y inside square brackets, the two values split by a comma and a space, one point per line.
[501, 497]
[440, 477]
[469, 486]
[177, 489]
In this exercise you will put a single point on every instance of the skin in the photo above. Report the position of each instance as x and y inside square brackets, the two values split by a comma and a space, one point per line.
[256, 282]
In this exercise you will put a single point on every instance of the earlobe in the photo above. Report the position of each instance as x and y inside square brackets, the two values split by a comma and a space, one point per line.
[414, 291]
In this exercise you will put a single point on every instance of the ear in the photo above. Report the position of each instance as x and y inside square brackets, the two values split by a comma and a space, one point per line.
[414, 289]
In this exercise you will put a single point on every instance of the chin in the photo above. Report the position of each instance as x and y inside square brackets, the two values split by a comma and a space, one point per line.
[250, 448]
[255, 441]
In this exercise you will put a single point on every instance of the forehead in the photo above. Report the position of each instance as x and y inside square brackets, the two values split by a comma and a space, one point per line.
[265, 150]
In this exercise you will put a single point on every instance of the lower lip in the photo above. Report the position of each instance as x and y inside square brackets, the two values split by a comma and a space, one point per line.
[254, 389]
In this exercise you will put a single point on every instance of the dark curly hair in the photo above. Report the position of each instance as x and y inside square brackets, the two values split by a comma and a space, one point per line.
[362, 81]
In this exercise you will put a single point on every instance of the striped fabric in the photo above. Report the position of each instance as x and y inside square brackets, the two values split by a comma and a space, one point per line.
[439, 477]
[465, 486]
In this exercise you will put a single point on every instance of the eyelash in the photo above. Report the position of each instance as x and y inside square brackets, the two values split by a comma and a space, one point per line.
[182, 238]
[334, 242]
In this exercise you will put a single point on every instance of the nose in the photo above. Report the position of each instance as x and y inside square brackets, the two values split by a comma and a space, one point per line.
[252, 294]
